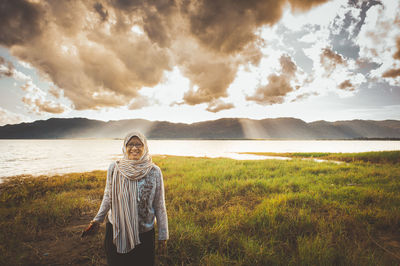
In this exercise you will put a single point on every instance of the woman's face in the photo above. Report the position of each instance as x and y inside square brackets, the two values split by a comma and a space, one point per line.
[134, 148]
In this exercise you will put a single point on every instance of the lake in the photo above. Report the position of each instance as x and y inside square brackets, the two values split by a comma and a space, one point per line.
[38, 157]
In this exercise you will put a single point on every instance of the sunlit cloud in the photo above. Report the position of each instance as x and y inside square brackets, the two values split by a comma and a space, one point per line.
[194, 60]
[102, 53]
[36, 101]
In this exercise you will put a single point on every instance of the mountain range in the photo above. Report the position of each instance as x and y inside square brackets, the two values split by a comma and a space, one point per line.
[225, 128]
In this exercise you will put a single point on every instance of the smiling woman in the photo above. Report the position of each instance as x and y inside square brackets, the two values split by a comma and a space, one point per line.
[134, 148]
[133, 199]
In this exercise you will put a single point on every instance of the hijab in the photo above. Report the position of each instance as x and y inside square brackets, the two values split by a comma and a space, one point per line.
[135, 169]
[124, 210]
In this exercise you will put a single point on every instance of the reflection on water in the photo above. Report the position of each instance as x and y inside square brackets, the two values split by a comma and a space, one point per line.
[62, 156]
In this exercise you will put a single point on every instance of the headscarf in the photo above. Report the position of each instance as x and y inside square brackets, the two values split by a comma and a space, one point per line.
[135, 169]
[124, 196]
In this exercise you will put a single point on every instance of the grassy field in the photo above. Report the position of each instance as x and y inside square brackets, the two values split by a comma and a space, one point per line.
[387, 157]
[223, 212]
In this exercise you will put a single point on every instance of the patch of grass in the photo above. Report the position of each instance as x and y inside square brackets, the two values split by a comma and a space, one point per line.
[381, 157]
[230, 212]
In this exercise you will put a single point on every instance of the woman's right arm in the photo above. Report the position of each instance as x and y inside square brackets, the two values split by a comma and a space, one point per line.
[106, 203]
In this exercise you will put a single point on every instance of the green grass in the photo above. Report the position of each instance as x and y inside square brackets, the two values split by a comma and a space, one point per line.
[229, 212]
[387, 157]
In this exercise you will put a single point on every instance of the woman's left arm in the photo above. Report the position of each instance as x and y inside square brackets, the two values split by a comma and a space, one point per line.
[160, 209]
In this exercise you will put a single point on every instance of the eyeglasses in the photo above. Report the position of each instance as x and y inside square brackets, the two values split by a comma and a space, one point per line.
[137, 145]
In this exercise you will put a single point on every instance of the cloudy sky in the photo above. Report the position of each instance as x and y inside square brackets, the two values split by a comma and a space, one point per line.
[189, 61]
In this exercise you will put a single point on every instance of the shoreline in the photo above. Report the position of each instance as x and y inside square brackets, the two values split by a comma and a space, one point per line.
[322, 157]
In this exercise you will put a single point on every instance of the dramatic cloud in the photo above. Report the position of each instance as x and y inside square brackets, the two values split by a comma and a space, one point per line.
[101, 53]
[274, 92]
[228, 26]
[278, 85]
[20, 21]
[211, 77]
[101, 10]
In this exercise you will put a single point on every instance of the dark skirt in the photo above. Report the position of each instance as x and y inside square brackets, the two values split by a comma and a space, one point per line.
[142, 254]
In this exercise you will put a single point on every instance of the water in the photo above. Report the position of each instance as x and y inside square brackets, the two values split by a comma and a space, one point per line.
[36, 157]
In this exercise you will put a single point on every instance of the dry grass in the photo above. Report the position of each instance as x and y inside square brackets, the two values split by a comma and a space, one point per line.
[221, 211]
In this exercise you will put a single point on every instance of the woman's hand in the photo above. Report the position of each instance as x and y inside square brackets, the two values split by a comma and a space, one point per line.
[91, 229]
[162, 247]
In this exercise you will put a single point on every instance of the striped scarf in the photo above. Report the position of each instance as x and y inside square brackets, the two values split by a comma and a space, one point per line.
[124, 195]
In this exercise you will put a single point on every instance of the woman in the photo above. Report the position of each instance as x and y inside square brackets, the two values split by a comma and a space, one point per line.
[133, 198]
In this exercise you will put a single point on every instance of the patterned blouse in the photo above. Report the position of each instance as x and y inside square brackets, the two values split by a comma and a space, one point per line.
[151, 202]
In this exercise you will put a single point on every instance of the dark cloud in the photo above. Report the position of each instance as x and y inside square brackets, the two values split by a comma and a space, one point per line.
[19, 21]
[89, 51]
[99, 70]
[278, 85]
[346, 85]
[218, 106]
[301, 6]
[228, 26]
[212, 79]
[157, 17]
[274, 92]
[364, 6]
[101, 10]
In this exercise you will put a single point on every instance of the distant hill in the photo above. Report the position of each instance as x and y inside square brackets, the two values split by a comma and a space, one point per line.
[226, 128]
